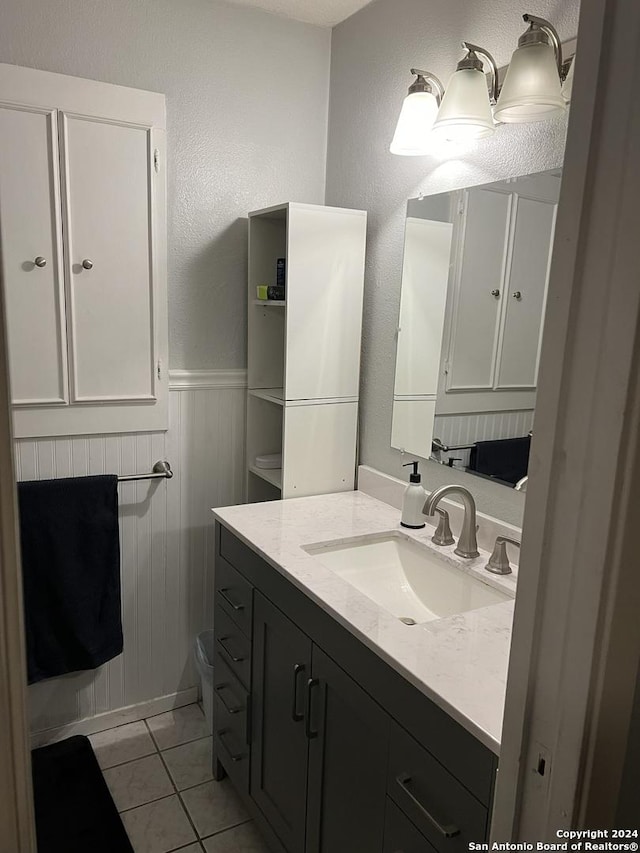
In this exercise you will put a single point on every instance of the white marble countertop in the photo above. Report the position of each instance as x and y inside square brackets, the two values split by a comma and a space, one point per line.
[459, 662]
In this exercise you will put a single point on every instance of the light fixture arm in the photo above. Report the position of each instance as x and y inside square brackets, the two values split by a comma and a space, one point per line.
[427, 82]
[474, 49]
[552, 33]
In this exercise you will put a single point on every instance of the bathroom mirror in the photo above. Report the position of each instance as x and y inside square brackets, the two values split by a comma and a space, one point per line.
[474, 285]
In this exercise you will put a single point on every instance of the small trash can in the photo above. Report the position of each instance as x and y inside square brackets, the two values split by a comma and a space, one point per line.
[204, 662]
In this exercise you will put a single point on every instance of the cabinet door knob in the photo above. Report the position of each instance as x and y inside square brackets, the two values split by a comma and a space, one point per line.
[87, 264]
[517, 295]
[495, 293]
[40, 261]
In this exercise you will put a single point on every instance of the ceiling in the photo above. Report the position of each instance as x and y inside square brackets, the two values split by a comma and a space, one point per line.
[324, 13]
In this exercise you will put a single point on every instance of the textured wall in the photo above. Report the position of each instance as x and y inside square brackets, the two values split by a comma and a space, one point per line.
[167, 545]
[247, 96]
[372, 53]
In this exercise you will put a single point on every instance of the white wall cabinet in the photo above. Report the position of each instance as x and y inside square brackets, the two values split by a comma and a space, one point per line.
[304, 352]
[83, 226]
[502, 253]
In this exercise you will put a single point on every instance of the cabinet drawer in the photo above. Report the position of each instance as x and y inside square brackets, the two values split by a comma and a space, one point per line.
[232, 646]
[441, 808]
[232, 699]
[234, 594]
[400, 835]
[233, 752]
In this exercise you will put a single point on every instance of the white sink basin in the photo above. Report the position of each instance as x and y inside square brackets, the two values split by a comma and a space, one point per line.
[408, 579]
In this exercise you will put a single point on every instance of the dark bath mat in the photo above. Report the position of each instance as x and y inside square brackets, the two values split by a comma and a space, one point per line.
[73, 805]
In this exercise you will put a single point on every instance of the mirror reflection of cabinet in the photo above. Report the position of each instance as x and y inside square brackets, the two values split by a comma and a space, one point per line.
[425, 274]
[501, 269]
[474, 285]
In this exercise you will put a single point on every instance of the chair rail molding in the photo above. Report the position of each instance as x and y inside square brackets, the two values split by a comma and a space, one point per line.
[182, 379]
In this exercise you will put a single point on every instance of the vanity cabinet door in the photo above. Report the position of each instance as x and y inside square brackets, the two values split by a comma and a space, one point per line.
[279, 751]
[348, 745]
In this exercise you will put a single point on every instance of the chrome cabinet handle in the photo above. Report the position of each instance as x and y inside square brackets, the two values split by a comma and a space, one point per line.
[235, 756]
[517, 294]
[312, 683]
[296, 716]
[448, 831]
[87, 264]
[225, 594]
[222, 642]
[231, 709]
[40, 261]
[495, 293]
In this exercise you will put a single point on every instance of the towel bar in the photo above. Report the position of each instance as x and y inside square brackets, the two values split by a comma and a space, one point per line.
[161, 471]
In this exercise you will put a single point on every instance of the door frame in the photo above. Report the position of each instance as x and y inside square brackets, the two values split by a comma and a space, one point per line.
[17, 828]
[576, 639]
[588, 409]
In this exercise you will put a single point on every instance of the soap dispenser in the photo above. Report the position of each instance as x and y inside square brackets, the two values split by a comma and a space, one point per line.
[413, 501]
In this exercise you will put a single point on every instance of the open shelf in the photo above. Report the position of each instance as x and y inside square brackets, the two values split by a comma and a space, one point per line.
[270, 303]
[271, 395]
[271, 475]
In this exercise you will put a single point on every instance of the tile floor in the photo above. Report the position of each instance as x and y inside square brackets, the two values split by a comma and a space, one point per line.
[159, 774]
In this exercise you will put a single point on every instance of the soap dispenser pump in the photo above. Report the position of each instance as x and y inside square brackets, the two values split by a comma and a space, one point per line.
[413, 501]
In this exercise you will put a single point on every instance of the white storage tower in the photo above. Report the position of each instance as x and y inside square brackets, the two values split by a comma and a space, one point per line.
[304, 351]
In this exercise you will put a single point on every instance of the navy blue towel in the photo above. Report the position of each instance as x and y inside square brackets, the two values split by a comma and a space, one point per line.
[506, 459]
[70, 574]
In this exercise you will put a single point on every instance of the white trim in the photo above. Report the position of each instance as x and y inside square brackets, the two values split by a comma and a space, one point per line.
[206, 380]
[111, 719]
[576, 631]
[17, 827]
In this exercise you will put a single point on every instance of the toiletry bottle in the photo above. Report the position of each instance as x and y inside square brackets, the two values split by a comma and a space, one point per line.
[413, 501]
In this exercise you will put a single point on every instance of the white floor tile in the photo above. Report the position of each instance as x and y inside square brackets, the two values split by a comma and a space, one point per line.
[179, 726]
[190, 764]
[124, 743]
[158, 827]
[241, 839]
[213, 807]
[138, 782]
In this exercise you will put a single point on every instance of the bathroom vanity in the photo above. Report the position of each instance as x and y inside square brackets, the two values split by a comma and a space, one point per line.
[343, 727]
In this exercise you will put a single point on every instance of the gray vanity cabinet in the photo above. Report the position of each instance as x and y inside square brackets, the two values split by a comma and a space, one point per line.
[279, 749]
[319, 744]
[349, 736]
[332, 750]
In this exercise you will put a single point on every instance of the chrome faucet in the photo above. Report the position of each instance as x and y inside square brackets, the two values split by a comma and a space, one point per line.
[467, 543]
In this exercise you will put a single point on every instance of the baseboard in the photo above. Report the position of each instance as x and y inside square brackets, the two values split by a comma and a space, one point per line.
[119, 717]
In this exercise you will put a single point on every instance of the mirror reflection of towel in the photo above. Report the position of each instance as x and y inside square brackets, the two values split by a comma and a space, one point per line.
[70, 573]
[505, 459]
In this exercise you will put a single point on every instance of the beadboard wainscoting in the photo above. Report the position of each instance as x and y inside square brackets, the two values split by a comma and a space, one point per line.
[167, 546]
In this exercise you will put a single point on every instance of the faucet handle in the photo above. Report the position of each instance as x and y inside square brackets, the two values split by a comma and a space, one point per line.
[443, 534]
[499, 560]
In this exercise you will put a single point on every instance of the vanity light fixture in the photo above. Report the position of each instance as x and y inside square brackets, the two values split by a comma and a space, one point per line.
[465, 112]
[532, 88]
[418, 113]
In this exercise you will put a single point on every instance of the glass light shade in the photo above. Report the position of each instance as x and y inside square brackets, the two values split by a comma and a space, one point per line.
[414, 125]
[567, 86]
[465, 111]
[531, 90]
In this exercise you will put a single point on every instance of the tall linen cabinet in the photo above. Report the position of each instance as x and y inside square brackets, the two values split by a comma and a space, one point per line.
[304, 351]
